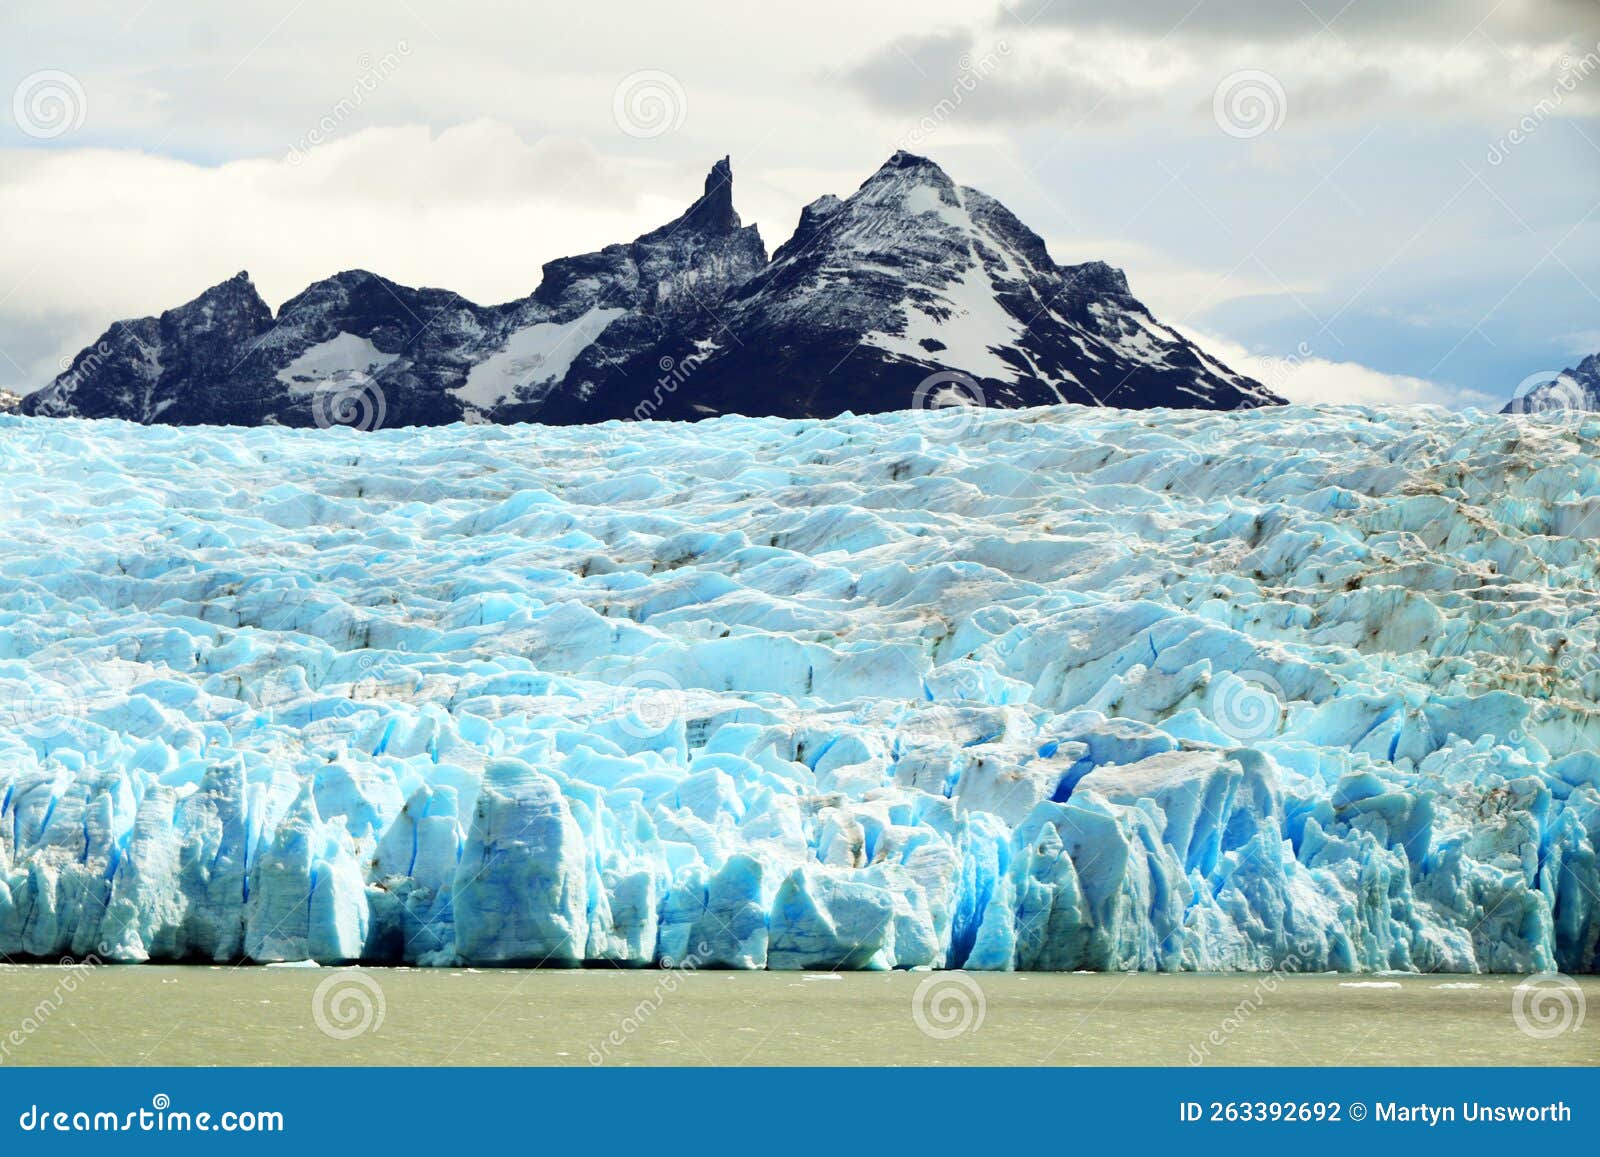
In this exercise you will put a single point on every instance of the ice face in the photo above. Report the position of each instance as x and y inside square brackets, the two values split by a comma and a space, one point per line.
[1052, 689]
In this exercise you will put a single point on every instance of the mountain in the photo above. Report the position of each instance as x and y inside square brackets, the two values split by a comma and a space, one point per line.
[913, 291]
[9, 402]
[910, 276]
[1571, 389]
[358, 349]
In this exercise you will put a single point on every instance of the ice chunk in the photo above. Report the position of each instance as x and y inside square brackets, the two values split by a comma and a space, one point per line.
[1294, 688]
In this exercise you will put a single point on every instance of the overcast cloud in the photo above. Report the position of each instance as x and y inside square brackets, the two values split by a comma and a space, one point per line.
[1402, 198]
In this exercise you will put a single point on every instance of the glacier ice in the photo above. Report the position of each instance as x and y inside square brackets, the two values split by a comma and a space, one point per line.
[1047, 689]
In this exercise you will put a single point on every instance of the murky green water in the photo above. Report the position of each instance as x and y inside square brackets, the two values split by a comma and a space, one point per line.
[291, 1016]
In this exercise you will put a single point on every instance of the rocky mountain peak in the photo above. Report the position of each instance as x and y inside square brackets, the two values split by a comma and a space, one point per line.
[238, 294]
[908, 183]
[712, 214]
[909, 277]
[904, 163]
[1097, 278]
[1577, 388]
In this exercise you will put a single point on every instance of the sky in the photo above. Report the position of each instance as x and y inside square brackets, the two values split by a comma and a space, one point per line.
[1375, 201]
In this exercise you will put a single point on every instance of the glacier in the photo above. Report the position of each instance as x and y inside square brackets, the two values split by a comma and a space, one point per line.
[1062, 688]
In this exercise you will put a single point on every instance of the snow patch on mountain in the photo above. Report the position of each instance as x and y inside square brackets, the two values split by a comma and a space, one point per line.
[909, 276]
[962, 328]
[338, 357]
[539, 354]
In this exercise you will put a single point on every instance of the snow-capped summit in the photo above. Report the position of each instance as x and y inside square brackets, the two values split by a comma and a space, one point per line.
[908, 277]
[1577, 388]
[595, 314]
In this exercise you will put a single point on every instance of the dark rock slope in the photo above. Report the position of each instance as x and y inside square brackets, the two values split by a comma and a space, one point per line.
[1574, 389]
[913, 291]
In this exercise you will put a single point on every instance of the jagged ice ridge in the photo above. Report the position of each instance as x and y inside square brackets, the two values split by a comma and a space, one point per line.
[1061, 688]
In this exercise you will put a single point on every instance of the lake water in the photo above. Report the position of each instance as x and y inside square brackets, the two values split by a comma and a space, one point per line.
[298, 1016]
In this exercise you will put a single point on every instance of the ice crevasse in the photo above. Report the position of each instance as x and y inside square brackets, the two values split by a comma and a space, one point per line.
[1049, 689]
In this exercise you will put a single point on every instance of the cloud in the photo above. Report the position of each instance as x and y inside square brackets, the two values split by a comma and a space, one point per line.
[1067, 64]
[1304, 378]
[1582, 344]
[960, 75]
[95, 235]
[493, 146]
[1343, 94]
[1438, 22]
